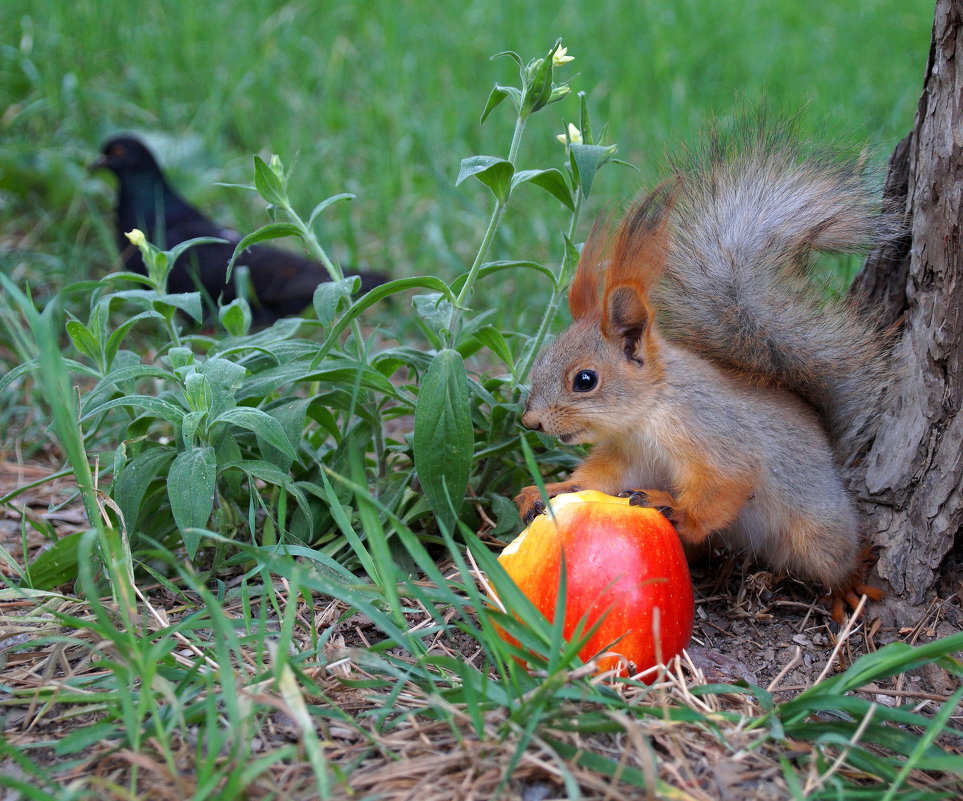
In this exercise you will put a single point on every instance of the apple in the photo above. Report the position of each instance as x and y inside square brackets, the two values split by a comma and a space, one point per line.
[622, 564]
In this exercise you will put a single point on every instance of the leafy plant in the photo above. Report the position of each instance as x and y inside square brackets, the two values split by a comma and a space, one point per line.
[234, 434]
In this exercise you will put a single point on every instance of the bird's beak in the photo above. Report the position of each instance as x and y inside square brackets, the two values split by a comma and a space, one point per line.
[99, 163]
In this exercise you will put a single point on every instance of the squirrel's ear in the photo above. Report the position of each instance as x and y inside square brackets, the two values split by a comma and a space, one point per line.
[638, 256]
[626, 319]
[584, 294]
[639, 249]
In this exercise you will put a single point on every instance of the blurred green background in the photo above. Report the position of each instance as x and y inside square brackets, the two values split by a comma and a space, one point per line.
[382, 99]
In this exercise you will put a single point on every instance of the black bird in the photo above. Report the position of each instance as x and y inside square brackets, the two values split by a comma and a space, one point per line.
[283, 282]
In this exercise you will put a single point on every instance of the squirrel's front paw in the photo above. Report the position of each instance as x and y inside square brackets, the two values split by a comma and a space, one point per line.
[530, 503]
[653, 499]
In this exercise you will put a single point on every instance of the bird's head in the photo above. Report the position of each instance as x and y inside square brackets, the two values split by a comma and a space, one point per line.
[126, 154]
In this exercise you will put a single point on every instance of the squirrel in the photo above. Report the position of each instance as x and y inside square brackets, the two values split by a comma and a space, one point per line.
[714, 382]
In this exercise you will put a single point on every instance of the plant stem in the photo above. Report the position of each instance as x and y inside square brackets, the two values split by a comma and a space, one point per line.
[479, 257]
[521, 374]
[335, 272]
[314, 245]
[516, 138]
[553, 304]
[493, 223]
[172, 332]
[316, 250]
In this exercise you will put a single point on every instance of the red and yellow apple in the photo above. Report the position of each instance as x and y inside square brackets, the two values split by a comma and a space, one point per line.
[624, 564]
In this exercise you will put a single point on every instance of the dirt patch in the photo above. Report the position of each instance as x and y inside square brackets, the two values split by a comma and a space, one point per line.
[40, 511]
[779, 634]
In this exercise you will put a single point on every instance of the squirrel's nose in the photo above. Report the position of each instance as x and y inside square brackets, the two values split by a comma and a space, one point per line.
[531, 422]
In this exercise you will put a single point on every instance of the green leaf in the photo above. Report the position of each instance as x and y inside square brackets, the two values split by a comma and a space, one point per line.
[268, 184]
[159, 265]
[180, 248]
[198, 392]
[277, 230]
[584, 124]
[123, 374]
[179, 357]
[156, 406]
[188, 302]
[192, 421]
[140, 297]
[327, 202]
[17, 372]
[509, 54]
[569, 262]
[498, 94]
[291, 416]
[190, 487]
[267, 472]
[891, 659]
[538, 83]
[117, 336]
[492, 267]
[342, 373]
[85, 736]
[552, 181]
[131, 278]
[329, 295]
[236, 317]
[262, 424]
[335, 570]
[83, 340]
[130, 486]
[370, 298]
[56, 565]
[586, 160]
[443, 439]
[435, 310]
[495, 341]
[506, 516]
[223, 372]
[791, 778]
[494, 172]
[97, 322]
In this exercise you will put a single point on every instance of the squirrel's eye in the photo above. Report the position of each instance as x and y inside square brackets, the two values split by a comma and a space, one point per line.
[585, 380]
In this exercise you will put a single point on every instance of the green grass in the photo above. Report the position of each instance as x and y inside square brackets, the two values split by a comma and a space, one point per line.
[382, 99]
[276, 597]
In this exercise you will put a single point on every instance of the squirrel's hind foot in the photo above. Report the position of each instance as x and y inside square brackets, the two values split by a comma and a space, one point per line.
[850, 593]
[850, 596]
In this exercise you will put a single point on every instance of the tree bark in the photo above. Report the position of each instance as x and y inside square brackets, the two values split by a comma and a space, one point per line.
[910, 473]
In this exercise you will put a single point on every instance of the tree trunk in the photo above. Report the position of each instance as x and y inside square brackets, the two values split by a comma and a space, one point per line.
[910, 474]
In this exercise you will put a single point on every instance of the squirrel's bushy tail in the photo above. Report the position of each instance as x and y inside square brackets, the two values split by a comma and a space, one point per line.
[749, 217]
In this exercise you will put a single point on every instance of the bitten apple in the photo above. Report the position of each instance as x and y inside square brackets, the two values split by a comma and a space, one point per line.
[622, 563]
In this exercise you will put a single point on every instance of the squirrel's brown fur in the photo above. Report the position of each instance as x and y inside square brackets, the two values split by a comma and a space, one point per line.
[728, 411]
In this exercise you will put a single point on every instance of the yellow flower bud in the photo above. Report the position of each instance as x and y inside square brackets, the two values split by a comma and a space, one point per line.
[136, 237]
[559, 57]
[574, 135]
